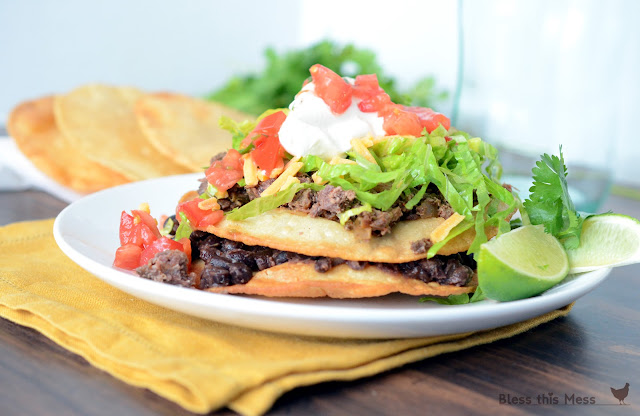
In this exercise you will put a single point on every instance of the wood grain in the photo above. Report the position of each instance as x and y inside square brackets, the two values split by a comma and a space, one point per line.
[596, 347]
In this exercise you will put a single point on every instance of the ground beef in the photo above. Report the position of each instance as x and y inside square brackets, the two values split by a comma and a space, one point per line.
[332, 200]
[303, 201]
[169, 266]
[376, 222]
[421, 246]
[230, 262]
[255, 191]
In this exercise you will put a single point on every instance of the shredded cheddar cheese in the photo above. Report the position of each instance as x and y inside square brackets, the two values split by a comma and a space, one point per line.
[443, 230]
[317, 179]
[336, 160]
[290, 171]
[359, 147]
[210, 204]
[144, 207]
[250, 170]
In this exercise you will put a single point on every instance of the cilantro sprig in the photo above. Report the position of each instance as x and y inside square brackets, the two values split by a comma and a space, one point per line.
[550, 204]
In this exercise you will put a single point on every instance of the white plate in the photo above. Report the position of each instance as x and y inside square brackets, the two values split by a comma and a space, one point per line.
[87, 232]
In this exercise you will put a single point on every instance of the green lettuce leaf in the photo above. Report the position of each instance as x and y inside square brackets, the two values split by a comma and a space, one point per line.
[267, 203]
[238, 130]
[184, 229]
[344, 216]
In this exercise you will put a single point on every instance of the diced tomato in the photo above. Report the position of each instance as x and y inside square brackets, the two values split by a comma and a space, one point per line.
[148, 220]
[364, 84]
[161, 244]
[191, 210]
[268, 152]
[429, 119]
[333, 90]
[136, 232]
[128, 256]
[225, 173]
[211, 219]
[367, 89]
[402, 122]
[375, 103]
[199, 217]
[268, 126]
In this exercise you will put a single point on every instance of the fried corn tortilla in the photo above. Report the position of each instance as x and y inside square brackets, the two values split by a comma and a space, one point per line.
[33, 127]
[185, 128]
[100, 122]
[287, 230]
[301, 280]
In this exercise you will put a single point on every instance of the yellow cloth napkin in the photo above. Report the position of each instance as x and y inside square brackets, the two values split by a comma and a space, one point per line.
[199, 364]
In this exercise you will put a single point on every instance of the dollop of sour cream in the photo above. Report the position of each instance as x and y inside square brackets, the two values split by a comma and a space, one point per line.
[311, 128]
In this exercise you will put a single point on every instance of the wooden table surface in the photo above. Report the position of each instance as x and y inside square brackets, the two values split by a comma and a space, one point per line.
[596, 347]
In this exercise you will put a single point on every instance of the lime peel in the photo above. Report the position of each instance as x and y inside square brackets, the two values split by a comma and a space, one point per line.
[520, 264]
[607, 240]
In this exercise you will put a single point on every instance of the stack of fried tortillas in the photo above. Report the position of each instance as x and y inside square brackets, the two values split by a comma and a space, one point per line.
[98, 136]
[287, 230]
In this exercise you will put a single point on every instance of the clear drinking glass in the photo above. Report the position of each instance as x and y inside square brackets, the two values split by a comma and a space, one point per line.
[540, 74]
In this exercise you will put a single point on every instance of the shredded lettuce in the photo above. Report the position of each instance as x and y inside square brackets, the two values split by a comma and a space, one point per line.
[167, 227]
[184, 229]
[267, 203]
[238, 130]
[465, 170]
[344, 216]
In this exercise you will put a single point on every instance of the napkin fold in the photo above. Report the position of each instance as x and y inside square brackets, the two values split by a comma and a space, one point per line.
[199, 364]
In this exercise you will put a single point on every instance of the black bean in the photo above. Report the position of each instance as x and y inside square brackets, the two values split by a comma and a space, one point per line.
[242, 256]
[217, 261]
[357, 265]
[281, 257]
[240, 273]
[214, 276]
[322, 265]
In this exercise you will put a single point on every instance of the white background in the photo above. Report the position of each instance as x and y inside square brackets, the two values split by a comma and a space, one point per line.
[536, 72]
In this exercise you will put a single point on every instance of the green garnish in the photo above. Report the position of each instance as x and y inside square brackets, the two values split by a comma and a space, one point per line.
[167, 227]
[549, 202]
[184, 229]
[461, 299]
[344, 216]
[284, 73]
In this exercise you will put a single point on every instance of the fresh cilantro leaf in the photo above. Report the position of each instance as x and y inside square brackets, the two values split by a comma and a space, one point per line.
[461, 299]
[450, 300]
[549, 202]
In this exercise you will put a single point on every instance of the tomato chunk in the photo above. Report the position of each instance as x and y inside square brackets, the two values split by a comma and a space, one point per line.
[334, 91]
[225, 173]
[191, 210]
[160, 245]
[199, 217]
[211, 219]
[133, 230]
[429, 119]
[128, 256]
[402, 122]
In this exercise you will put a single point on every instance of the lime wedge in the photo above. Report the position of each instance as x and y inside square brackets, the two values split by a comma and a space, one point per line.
[521, 263]
[607, 240]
